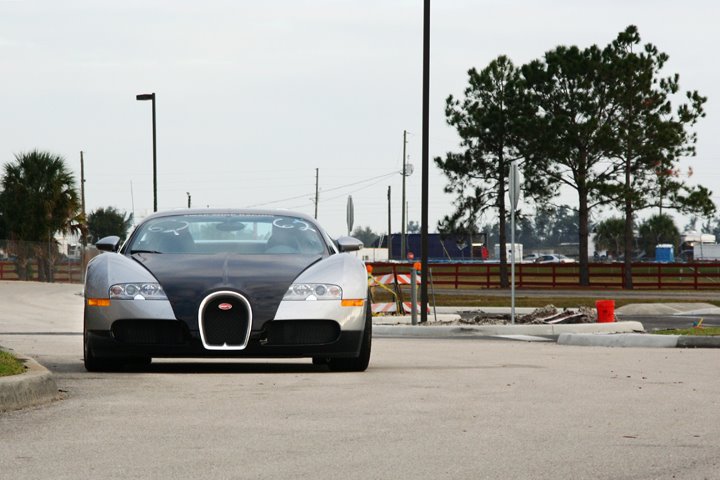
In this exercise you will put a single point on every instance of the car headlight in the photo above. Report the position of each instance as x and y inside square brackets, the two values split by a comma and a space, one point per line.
[313, 291]
[137, 291]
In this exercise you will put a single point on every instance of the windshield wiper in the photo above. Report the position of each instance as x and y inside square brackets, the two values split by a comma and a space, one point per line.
[133, 252]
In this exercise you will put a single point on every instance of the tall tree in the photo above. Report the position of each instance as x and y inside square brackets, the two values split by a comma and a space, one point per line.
[486, 121]
[650, 135]
[108, 221]
[38, 200]
[570, 133]
[365, 235]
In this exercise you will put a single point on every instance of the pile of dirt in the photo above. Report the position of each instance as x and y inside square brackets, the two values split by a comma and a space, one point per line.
[548, 314]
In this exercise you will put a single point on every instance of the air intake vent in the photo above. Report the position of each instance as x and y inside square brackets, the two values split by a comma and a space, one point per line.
[149, 332]
[302, 332]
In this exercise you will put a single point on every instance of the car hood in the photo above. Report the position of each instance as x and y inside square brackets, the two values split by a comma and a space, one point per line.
[188, 279]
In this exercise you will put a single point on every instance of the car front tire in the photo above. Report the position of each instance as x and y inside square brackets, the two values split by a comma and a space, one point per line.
[361, 362]
[93, 363]
[99, 364]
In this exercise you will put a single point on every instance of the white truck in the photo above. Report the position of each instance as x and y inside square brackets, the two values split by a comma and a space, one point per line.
[508, 251]
[708, 252]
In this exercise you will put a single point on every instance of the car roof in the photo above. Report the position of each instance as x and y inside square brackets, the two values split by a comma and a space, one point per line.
[229, 211]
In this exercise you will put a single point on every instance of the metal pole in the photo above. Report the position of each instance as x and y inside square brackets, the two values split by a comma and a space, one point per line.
[512, 265]
[154, 155]
[403, 225]
[425, 162]
[514, 198]
[413, 295]
[432, 290]
[189, 199]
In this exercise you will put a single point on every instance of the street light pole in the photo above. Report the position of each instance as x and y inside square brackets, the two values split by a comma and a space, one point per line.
[189, 199]
[403, 224]
[151, 96]
[425, 161]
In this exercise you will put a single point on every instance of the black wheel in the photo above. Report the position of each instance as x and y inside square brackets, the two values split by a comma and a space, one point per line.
[93, 363]
[99, 364]
[361, 362]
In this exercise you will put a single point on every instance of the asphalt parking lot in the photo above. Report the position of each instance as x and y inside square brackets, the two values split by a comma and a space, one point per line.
[426, 408]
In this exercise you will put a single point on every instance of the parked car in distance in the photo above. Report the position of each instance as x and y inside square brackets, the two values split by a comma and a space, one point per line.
[531, 257]
[554, 258]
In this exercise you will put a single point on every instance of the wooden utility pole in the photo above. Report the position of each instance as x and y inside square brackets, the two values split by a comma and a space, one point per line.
[389, 234]
[317, 190]
[83, 232]
[82, 183]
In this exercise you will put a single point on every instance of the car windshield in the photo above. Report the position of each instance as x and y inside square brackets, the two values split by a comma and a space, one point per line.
[232, 233]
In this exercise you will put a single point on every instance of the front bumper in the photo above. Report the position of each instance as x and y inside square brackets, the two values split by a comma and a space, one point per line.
[129, 328]
[105, 345]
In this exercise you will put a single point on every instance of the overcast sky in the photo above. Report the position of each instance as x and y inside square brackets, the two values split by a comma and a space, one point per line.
[253, 96]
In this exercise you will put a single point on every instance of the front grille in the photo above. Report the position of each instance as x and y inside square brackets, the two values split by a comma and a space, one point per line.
[225, 321]
[149, 332]
[302, 332]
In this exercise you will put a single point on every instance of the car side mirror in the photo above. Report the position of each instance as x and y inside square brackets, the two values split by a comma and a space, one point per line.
[349, 244]
[108, 244]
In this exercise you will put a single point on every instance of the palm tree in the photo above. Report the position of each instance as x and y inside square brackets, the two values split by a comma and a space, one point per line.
[610, 236]
[38, 200]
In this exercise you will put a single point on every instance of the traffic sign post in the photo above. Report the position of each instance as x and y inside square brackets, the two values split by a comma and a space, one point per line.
[514, 190]
[350, 214]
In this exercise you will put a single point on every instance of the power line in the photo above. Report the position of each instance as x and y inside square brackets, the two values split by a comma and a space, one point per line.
[309, 195]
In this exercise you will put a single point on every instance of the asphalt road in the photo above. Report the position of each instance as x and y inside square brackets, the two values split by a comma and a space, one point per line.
[455, 409]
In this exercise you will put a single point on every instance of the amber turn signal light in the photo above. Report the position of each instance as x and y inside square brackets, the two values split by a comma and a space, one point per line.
[98, 302]
[352, 302]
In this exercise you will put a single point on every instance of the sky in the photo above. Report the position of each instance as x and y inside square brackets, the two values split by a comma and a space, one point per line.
[253, 97]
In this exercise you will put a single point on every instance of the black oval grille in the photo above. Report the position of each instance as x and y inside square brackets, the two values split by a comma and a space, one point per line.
[225, 321]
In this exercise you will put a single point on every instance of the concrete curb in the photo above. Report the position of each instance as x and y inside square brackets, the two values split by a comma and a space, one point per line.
[689, 341]
[472, 331]
[638, 340]
[627, 340]
[34, 387]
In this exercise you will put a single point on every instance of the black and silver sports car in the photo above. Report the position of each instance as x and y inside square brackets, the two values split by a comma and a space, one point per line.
[227, 283]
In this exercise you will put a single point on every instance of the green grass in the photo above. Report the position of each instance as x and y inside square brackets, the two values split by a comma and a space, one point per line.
[10, 365]
[698, 332]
